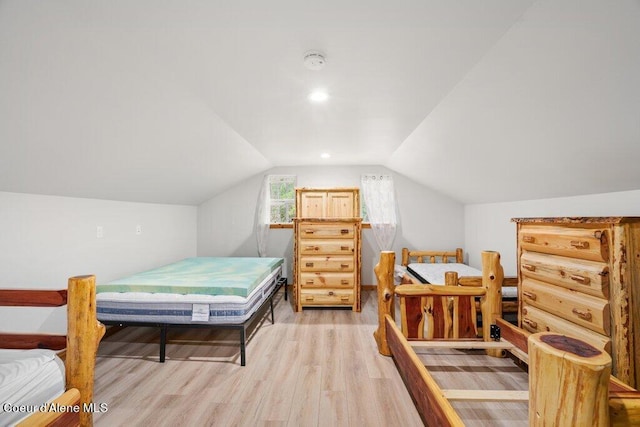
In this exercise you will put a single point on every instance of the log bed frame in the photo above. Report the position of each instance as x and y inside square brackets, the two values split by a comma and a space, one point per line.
[78, 348]
[606, 401]
[509, 307]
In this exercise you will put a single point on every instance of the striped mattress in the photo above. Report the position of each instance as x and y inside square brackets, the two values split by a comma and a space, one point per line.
[212, 290]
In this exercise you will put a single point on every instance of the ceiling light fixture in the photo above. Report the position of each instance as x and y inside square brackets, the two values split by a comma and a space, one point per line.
[314, 60]
[318, 96]
[325, 155]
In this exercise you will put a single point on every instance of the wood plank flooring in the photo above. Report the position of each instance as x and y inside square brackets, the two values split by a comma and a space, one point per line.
[314, 368]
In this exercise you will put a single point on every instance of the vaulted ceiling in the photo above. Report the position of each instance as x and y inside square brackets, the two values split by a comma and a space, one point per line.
[173, 101]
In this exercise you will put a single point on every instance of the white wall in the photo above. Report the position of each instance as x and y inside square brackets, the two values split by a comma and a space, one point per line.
[427, 219]
[489, 226]
[44, 240]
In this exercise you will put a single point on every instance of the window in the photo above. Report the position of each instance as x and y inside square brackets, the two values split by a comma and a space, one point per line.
[381, 210]
[282, 198]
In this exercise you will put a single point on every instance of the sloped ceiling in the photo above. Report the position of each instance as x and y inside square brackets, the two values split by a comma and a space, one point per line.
[552, 109]
[174, 101]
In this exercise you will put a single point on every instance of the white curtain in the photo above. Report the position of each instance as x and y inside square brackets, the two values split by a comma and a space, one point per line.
[263, 217]
[380, 202]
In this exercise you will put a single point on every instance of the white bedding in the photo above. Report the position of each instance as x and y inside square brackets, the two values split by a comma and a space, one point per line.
[28, 377]
[433, 273]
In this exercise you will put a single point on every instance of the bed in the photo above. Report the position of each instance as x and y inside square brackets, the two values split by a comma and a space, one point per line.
[59, 369]
[448, 392]
[430, 267]
[211, 292]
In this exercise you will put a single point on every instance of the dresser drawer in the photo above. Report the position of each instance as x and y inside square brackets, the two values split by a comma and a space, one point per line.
[329, 246]
[536, 320]
[327, 263]
[326, 296]
[584, 276]
[583, 243]
[323, 231]
[581, 309]
[327, 279]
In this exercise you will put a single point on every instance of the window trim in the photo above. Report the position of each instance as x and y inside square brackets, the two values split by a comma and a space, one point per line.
[290, 225]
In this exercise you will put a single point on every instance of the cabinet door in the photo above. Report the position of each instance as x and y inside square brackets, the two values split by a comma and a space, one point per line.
[340, 204]
[312, 204]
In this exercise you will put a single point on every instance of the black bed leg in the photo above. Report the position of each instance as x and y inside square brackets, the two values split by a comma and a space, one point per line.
[272, 317]
[242, 346]
[163, 341]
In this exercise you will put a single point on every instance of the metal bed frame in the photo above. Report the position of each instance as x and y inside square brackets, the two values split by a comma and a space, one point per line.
[241, 327]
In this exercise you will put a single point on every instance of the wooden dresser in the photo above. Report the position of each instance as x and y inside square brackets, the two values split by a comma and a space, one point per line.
[327, 233]
[581, 277]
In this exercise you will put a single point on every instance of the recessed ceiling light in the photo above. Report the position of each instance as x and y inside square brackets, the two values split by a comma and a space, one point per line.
[325, 155]
[318, 96]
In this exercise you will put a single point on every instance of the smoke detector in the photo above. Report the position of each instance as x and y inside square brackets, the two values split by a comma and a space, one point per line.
[314, 60]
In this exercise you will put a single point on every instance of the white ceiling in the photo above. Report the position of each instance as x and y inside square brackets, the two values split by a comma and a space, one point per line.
[174, 101]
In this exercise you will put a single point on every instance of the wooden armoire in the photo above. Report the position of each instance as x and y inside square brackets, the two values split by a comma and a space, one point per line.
[326, 259]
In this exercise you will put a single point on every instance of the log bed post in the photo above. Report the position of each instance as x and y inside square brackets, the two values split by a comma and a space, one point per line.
[459, 256]
[568, 382]
[386, 299]
[84, 333]
[405, 256]
[491, 302]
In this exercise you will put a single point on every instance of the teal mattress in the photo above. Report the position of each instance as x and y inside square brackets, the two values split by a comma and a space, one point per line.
[202, 275]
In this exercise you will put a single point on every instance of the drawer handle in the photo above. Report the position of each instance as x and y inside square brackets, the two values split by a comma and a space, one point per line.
[584, 315]
[344, 282]
[344, 231]
[344, 265]
[309, 298]
[310, 282]
[580, 244]
[330, 293]
[528, 239]
[312, 248]
[344, 298]
[529, 295]
[309, 264]
[531, 323]
[344, 248]
[529, 267]
[580, 279]
[309, 231]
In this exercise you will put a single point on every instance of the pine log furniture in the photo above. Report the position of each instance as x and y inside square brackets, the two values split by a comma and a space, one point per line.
[327, 241]
[581, 276]
[568, 379]
[78, 348]
[430, 266]
[200, 292]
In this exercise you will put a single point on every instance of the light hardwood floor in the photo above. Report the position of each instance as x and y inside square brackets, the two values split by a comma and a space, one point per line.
[313, 368]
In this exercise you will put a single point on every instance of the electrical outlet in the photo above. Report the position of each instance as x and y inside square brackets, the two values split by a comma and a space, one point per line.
[138, 230]
[99, 232]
